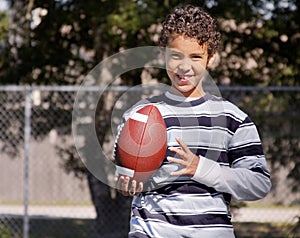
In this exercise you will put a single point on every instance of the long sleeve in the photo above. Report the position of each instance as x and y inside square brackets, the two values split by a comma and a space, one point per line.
[248, 178]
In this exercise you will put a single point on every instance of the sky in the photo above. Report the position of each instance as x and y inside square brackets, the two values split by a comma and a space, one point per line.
[3, 5]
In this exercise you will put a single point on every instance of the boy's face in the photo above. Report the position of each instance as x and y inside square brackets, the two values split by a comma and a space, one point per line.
[186, 63]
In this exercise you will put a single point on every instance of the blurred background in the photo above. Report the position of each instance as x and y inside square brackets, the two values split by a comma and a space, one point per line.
[47, 47]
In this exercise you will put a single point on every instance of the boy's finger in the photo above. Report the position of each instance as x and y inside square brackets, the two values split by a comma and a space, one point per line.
[118, 183]
[177, 161]
[123, 185]
[182, 144]
[180, 152]
[140, 188]
[178, 173]
[132, 189]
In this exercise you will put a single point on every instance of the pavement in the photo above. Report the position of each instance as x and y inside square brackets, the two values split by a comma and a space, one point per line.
[290, 215]
[82, 212]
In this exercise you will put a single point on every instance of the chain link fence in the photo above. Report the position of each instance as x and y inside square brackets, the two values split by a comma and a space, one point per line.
[40, 196]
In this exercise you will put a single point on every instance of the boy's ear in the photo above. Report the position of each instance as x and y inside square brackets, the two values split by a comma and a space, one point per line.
[212, 61]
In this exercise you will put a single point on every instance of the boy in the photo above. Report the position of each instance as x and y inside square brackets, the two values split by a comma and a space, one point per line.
[214, 150]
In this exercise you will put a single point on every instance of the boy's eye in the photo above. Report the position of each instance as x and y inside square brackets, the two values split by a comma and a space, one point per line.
[175, 55]
[197, 57]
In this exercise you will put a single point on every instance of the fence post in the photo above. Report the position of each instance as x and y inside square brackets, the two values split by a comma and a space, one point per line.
[27, 132]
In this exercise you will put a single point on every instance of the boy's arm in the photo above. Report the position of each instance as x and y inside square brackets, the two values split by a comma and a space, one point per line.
[242, 182]
[248, 178]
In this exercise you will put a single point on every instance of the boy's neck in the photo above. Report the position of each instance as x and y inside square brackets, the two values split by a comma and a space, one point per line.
[199, 93]
[180, 97]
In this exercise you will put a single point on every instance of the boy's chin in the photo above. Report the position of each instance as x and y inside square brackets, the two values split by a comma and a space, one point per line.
[187, 91]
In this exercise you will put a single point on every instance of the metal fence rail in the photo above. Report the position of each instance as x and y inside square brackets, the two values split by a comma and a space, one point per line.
[35, 122]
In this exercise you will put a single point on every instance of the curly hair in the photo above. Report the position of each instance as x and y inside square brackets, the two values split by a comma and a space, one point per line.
[192, 22]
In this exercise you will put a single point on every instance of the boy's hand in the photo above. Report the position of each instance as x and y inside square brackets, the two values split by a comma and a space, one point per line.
[189, 160]
[127, 187]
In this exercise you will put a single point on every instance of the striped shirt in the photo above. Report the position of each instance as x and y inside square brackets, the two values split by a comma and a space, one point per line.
[231, 163]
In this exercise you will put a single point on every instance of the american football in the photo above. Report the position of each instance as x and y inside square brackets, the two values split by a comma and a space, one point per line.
[141, 145]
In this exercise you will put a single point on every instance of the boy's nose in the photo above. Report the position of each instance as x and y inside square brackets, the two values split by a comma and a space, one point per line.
[185, 65]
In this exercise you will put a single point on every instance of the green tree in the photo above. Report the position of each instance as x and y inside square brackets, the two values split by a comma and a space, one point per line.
[3, 37]
[260, 43]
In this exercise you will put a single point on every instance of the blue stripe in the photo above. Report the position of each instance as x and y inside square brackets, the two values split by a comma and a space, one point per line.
[211, 220]
[194, 188]
[225, 122]
[221, 156]
[190, 188]
[250, 150]
[261, 171]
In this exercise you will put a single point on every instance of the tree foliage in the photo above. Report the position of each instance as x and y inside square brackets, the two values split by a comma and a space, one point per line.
[58, 42]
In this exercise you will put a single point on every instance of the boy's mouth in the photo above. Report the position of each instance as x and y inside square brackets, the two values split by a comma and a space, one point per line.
[183, 78]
